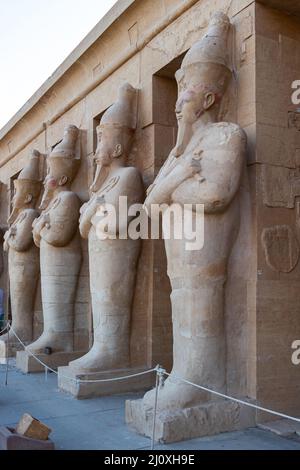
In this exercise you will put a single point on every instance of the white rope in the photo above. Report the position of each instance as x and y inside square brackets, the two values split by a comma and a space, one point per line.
[237, 400]
[30, 353]
[159, 370]
[115, 378]
[7, 326]
[79, 380]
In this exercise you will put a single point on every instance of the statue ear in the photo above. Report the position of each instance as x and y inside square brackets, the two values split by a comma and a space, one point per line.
[28, 198]
[118, 151]
[63, 180]
[209, 100]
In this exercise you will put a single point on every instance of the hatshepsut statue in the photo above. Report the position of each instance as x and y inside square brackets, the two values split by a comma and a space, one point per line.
[112, 260]
[23, 255]
[56, 233]
[205, 167]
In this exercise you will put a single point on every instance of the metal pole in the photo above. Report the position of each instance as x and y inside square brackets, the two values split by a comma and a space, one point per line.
[7, 357]
[155, 409]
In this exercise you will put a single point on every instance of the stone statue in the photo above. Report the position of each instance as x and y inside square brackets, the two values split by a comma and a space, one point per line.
[112, 261]
[56, 233]
[205, 167]
[23, 255]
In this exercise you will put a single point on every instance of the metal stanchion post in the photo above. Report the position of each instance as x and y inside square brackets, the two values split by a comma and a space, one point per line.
[159, 378]
[7, 357]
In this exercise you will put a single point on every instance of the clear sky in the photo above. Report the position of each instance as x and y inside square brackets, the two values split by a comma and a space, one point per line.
[35, 38]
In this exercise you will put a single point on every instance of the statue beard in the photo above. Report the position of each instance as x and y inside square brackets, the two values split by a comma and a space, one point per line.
[184, 135]
[47, 197]
[100, 176]
[13, 215]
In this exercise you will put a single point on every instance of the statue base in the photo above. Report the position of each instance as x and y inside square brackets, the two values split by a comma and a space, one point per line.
[27, 363]
[206, 419]
[8, 350]
[68, 382]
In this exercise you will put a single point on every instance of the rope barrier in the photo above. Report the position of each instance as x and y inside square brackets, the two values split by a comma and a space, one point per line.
[237, 400]
[79, 380]
[7, 326]
[160, 372]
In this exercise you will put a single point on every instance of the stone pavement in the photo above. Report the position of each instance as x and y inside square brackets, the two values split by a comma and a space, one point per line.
[98, 423]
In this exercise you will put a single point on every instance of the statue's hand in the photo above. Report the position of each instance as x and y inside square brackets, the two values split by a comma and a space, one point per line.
[192, 166]
[149, 189]
[46, 221]
[6, 235]
[5, 245]
[83, 208]
[5, 238]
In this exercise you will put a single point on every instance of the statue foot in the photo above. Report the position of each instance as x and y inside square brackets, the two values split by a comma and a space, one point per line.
[175, 395]
[98, 361]
[53, 342]
[12, 339]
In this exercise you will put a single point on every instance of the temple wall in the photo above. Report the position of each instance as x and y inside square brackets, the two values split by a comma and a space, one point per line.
[145, 46]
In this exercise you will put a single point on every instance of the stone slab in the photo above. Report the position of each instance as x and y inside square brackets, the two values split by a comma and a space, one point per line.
[27, 364]
[29, 426]
[68, 382]
[10, 440]
[207, 419]
[282, 427]
[8, 351]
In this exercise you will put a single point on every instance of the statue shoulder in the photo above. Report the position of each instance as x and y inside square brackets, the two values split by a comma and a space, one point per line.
[133, 184]
[31, 213]
[132, 173]
[231, 134]
[69, 197]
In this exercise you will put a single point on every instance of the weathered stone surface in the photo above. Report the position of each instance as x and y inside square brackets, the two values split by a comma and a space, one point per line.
[145, 46]
[281, 248]
[23, 255]
[56, 233]
[113, 258]
[68, 381]
[282, 427]
[202, 420]
[28, 364]
[29, 426]
[10, 440]
[205, 167]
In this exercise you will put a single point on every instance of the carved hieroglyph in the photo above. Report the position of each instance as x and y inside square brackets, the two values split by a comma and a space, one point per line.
[205, 167]
[56, 233]
[112, 261]
[23, 255]
[281, 248]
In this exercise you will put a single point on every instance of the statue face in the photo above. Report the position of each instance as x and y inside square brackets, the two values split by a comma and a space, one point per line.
[199, 88]
[53, 180]
[108, 144]
[190, 105]
[22, 197]
[19, 199]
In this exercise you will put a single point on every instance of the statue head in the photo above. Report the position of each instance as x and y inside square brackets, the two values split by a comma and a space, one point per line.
[62, 165]
[204, 74]
[115, 132]
[27, 187]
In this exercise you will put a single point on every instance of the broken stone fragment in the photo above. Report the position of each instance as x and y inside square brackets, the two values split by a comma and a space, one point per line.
[32, 428]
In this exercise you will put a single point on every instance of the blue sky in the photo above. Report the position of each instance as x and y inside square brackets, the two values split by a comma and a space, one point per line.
[35, 37]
